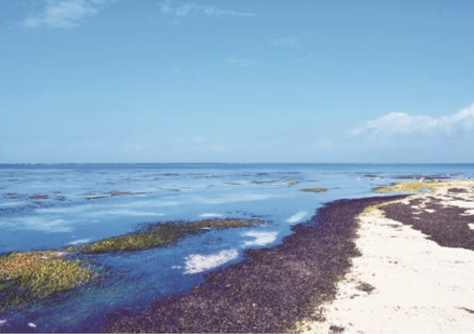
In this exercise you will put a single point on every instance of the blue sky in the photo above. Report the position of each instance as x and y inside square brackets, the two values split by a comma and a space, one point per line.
[236, 81]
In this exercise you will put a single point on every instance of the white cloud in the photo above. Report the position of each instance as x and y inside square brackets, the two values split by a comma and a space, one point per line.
[64, 13]
[187, 8]
[399, 123]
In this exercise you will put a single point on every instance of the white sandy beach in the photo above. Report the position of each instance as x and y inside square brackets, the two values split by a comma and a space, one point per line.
[418, 286]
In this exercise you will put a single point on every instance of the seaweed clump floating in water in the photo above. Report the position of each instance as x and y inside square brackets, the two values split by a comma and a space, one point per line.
[314, 190]
[158, 235]
[26, 277]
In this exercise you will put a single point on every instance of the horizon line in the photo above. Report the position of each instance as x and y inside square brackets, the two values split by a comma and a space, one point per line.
[236, 163]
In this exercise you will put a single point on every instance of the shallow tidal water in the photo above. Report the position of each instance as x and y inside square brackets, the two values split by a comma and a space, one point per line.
[56, 206]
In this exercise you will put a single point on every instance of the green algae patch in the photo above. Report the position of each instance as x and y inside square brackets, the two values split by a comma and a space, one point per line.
[314, 190]
[415, 187]
[156, 237]
[159, 235]
[407, 187]
[26, 277]
[223, 223]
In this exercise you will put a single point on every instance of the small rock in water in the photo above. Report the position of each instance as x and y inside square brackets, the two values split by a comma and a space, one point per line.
[2, 322]
[32, 325]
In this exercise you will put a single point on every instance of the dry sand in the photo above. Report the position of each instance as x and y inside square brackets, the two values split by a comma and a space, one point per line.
[403, 282]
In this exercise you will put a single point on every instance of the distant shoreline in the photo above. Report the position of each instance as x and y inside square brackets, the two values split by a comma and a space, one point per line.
[228, 163]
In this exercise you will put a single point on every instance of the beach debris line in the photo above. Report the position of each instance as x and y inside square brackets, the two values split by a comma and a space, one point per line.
[159, 234]
[25, 277]
[435, 220]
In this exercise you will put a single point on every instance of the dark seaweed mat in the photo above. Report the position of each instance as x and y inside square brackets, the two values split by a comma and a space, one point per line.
[445, 226]
[270, 290]
[457, 190]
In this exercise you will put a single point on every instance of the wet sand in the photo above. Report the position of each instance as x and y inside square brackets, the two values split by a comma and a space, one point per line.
[270, 290]
[415, 274]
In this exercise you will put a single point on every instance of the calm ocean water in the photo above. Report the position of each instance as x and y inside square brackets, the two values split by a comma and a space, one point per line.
[55, 206]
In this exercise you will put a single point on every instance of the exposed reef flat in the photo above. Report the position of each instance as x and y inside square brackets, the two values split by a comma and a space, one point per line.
[417, 186]
[415, 272]
[28, 277]
[159, 234]
[270, 290]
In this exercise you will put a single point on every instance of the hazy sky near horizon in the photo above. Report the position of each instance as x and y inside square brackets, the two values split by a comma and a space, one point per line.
[236, 81]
